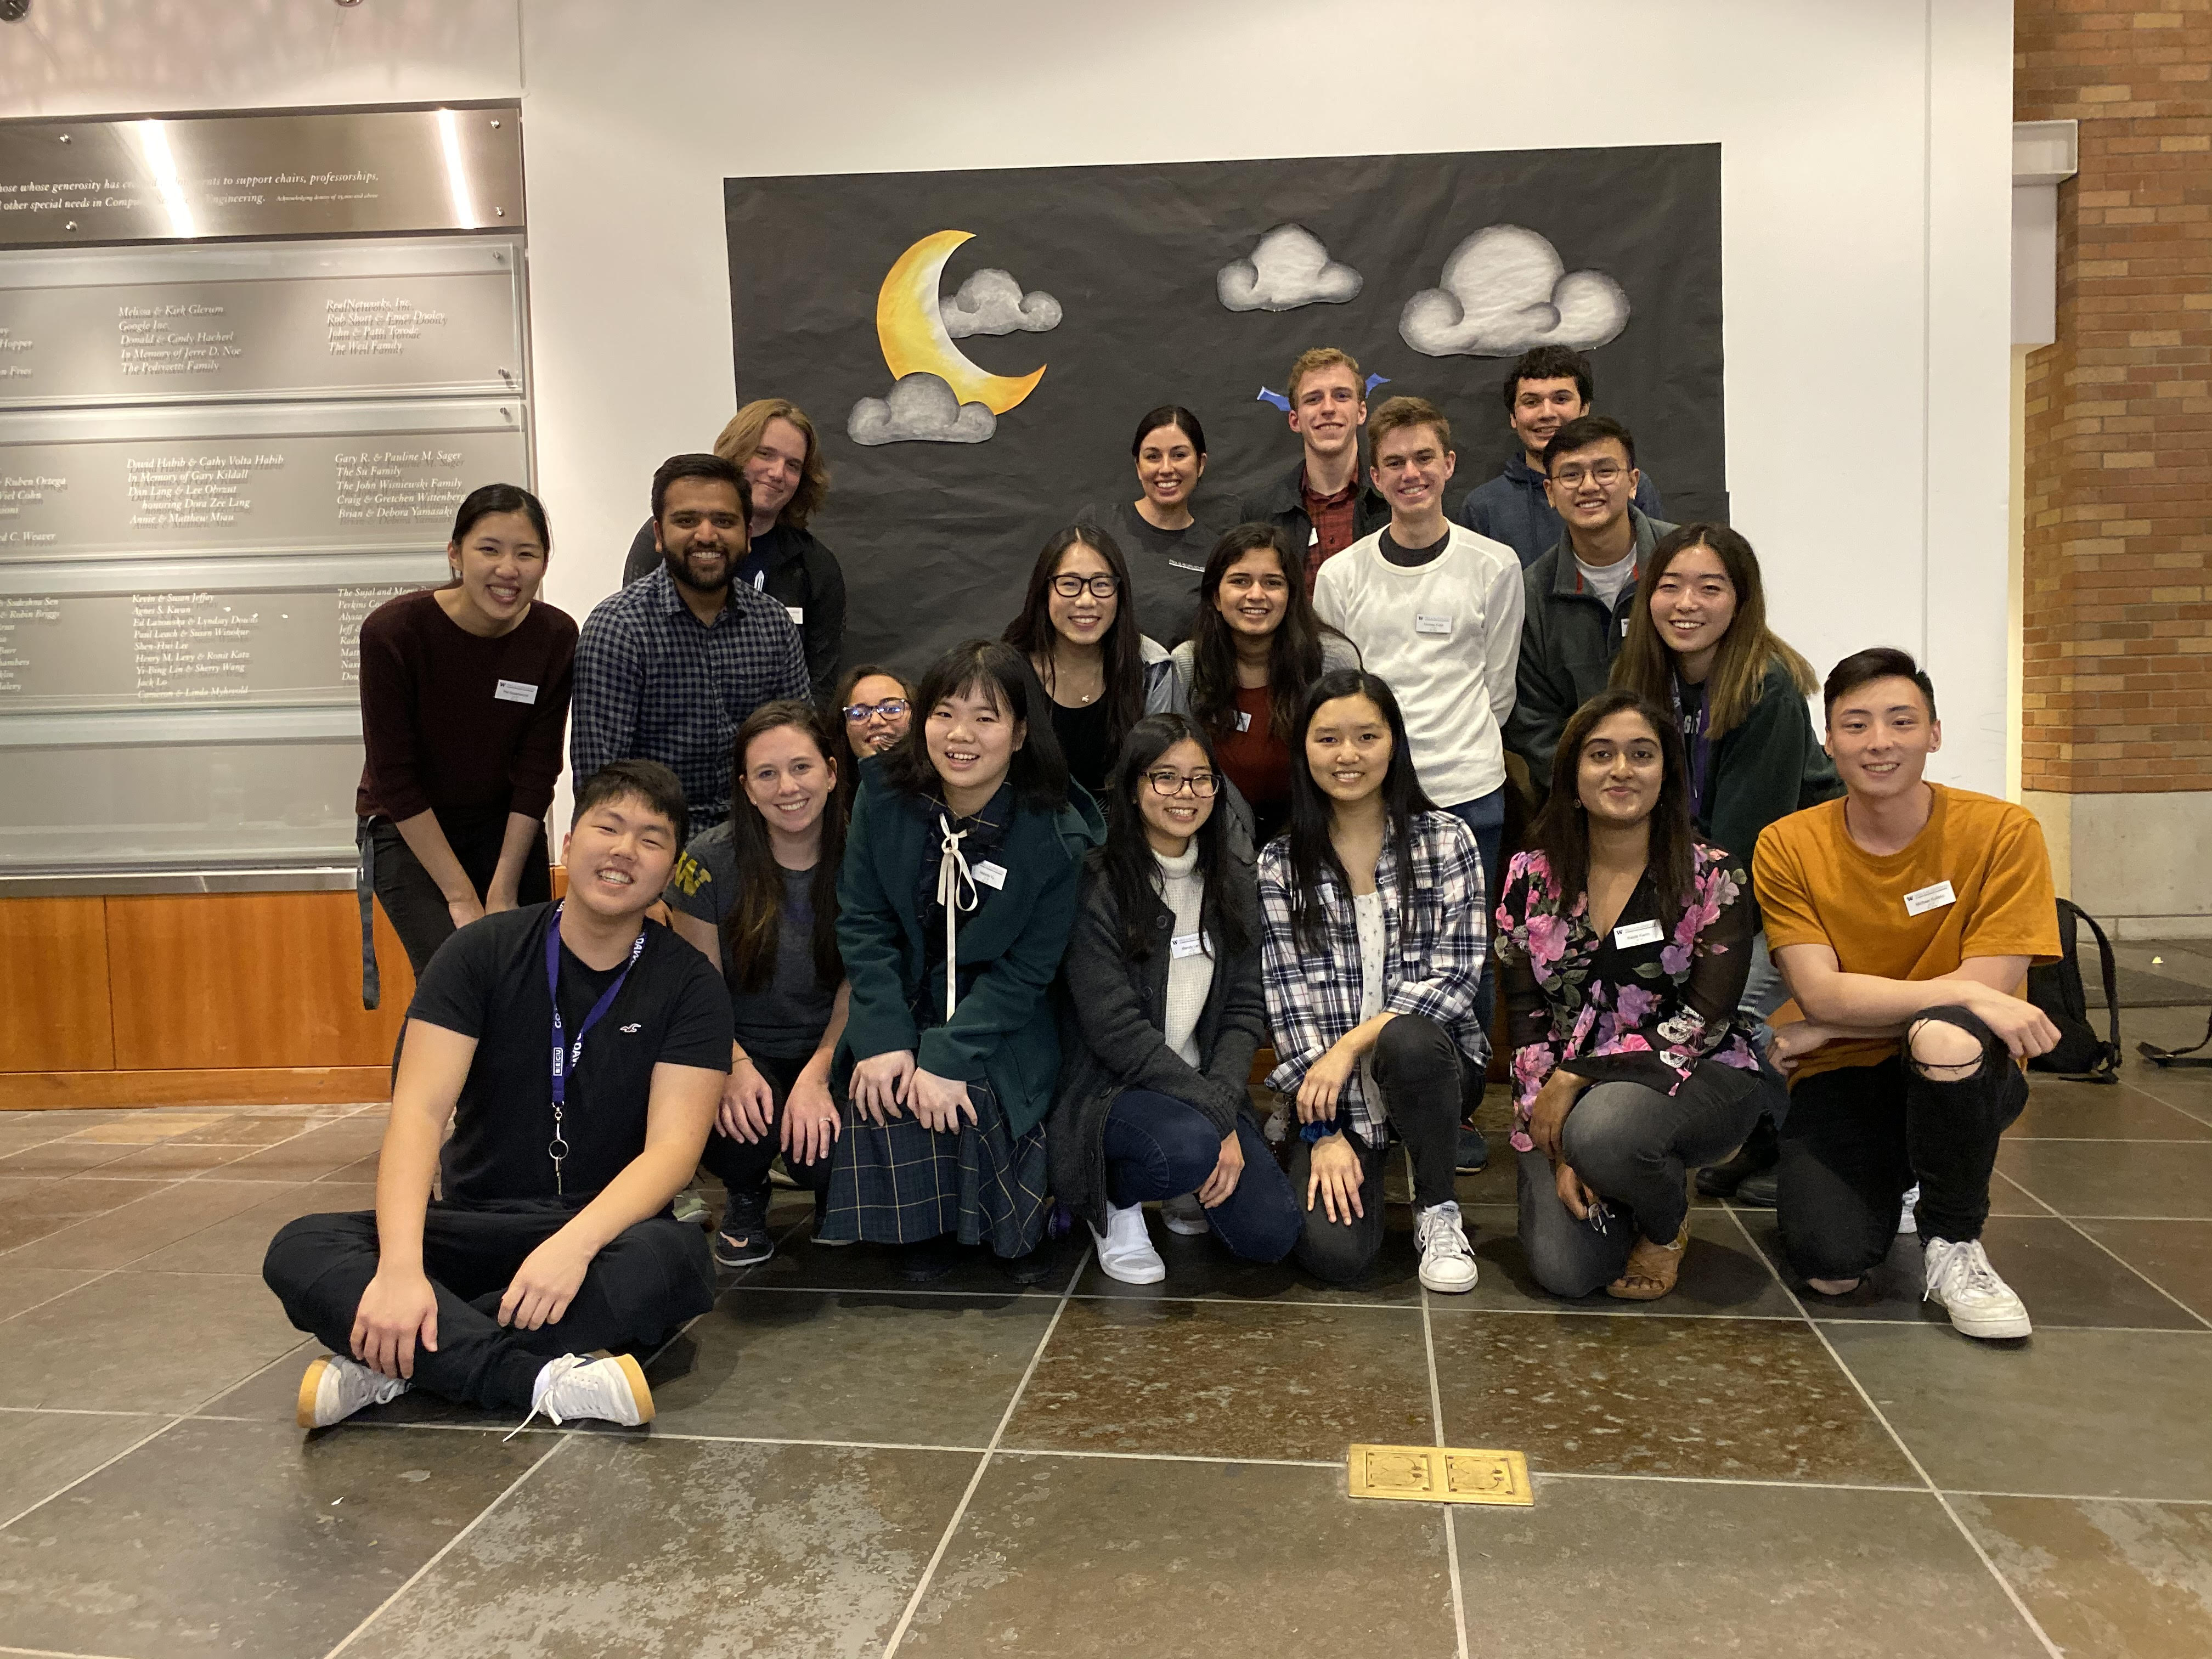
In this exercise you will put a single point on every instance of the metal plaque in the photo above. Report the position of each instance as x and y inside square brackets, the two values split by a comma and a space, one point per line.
[292, 320]
[82, 484]
[1440, 1474]
[237, 633]
[330, 174]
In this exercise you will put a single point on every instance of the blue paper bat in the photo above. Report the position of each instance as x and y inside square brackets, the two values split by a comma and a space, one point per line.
[1284, 403]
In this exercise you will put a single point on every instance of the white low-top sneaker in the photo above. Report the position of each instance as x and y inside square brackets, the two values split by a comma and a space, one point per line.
[1963, 1283]
[335, 1387]
[1125, 1248]
[1906, 1221]
[1447, 1258]
[610, 1388]
[1186, 1217]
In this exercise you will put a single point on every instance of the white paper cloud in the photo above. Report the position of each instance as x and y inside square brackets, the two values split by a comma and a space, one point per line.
[1504, 290]
[920, 409]
[992, 302]
[1287, 268]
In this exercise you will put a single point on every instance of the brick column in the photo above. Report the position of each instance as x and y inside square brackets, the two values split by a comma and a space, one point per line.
[2117, 730]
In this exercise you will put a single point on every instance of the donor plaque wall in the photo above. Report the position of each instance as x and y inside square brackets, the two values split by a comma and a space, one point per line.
[217, 458]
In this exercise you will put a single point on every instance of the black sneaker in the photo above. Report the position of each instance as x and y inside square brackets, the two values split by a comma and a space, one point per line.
[1474, 1151]
[1757, 1192]
[1755, 1156]
[928, 1260]
[743, 1240]
[1031, 1269]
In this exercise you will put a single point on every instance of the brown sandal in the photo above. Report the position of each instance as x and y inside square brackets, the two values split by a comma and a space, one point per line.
[1651, 1269]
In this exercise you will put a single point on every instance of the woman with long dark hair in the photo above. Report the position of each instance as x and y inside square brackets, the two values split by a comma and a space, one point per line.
[1079, 634]
[463, 695]
[1622, 945]
[959, 886]
[757, 894]
[1167, 530]
[1163, 974]
[1372, 909]
[1242, 676]
[1698, 645]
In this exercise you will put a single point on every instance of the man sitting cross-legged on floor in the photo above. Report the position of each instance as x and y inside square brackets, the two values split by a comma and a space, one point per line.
[580, 1052]
[1903, 917]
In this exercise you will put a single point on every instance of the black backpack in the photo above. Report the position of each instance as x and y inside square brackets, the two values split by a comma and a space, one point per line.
[2056, 989]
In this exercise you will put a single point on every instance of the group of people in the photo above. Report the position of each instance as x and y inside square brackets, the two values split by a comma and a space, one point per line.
[1003, 940]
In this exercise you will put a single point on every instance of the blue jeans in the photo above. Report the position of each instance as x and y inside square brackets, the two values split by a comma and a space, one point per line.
[1157, 1146]
[1486, 816]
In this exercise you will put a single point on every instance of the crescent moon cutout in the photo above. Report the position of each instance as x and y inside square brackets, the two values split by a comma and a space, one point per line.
[912, 328]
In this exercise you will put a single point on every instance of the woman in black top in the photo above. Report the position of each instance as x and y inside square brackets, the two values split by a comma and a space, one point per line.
[757, 894]
[1081, 638]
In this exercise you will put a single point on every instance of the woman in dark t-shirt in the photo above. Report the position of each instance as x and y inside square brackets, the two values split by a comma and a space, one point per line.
[758, 896]
[464, 695]
[1079, 631]
[1166, 532]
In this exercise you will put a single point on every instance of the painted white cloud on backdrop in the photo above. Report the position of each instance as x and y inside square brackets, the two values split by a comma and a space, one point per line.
[992, 302]
[1505, 289]
[1287, 268]
[920, 409]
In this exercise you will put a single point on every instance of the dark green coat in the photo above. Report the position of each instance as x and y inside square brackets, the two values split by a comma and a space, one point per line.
[1003, 1031]
[1768, 766]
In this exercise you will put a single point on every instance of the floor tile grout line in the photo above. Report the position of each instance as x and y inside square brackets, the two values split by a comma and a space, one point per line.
[1729, 1480]
[1851, 1377]
[2104, 1140]
[54, 1653]
[2080, 1498]
[982, 1463]
[1451, 1531]
[1167, 1457]
[1911, 1324]
[98, 1275]
[447, 1548]
[1258, 1301]
[2085, 1233]
[69, 1487]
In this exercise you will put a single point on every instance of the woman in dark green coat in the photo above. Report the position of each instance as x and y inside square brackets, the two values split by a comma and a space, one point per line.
[962, 865]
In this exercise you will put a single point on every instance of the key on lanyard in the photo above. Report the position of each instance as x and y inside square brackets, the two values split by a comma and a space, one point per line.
[566, 1057]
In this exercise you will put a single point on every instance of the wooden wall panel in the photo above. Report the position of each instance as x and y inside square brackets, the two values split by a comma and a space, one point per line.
[258, 1085]
[53, 986]
[217, 980]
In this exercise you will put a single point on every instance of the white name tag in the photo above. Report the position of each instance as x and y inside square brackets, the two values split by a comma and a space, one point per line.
[991, 875]
[516, 691]
[1637, 933]
[1432, 624]
[1186, 945]
[1177, 564]
[1243, 720]
[797, 614]
[1929, 898]
[760, 582]
[1313, 538]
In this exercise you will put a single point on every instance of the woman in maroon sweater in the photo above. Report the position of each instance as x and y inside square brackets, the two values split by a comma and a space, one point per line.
[464, 696]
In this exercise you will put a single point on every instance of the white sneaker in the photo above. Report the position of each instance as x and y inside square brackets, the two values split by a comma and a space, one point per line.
[1447, 1258]
[1125, 1248]
[1905, 1223]
[1963, 1283]
[335, 1387]
[1186, 1217]
[612, 1388]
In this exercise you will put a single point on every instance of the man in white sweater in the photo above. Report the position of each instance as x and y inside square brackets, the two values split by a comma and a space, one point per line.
[1436, 610]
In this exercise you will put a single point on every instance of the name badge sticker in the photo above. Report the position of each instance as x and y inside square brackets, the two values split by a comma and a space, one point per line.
[1423, 624]
[1186, 945]
[991, 875]
[1243, 719]
[1929, 898]
[1635, 934]
[798, 615]
[1313, 538]
[516, 691]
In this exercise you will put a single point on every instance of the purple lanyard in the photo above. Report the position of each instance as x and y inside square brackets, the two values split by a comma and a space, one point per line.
[1700, 746]
[566, 1057]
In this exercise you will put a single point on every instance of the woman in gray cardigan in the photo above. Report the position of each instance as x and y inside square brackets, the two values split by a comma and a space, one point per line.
[1164, 1012]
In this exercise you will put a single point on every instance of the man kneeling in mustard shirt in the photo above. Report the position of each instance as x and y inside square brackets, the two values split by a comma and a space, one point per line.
[1903, 918]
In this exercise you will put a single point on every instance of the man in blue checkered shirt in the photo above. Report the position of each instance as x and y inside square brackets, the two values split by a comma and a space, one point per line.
[668, 668]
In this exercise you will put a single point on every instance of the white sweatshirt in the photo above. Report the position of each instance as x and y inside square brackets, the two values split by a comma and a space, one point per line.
[1190, 974]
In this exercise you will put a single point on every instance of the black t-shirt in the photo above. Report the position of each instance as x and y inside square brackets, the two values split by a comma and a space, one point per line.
[1086, 738]
[487, 981]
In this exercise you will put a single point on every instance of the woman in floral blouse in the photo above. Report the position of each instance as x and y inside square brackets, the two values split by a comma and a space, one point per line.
[1622, 945]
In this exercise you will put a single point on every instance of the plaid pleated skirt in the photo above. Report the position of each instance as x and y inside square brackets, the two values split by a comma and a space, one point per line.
[902, 1184]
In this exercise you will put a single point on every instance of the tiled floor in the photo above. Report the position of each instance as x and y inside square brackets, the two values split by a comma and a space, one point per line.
[843, 1465]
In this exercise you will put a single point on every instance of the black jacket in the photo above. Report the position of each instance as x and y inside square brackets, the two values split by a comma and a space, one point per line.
[1768, 766]
[1113, 1028]
[1285, 504]
[803, 576]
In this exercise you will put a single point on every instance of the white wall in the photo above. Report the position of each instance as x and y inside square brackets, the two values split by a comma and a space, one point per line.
[1866, 187]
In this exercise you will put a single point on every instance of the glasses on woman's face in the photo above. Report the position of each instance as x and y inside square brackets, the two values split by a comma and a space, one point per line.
[1201, 784]
[1071, 587]
[891, 708]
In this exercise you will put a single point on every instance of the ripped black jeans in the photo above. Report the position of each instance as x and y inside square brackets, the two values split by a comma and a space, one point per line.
[1857, 1137]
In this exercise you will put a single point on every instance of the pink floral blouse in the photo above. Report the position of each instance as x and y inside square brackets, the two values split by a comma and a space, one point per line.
[1651, 1010]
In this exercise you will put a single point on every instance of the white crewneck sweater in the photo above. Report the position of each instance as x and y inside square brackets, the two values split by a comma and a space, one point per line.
[1190, 977]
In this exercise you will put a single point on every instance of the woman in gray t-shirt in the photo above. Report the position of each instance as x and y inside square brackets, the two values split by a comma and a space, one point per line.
[1165, 532]
[758, 896]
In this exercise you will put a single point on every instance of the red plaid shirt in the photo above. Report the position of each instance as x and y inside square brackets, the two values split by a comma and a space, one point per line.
[1335, 518]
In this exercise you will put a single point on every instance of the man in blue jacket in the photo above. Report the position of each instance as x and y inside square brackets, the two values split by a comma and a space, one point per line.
[1546, 388]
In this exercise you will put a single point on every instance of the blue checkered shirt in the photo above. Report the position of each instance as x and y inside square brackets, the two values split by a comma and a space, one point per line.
[654, 683]
[1432, 961]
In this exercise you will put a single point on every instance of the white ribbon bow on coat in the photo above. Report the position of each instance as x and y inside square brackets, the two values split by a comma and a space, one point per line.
[956, 891]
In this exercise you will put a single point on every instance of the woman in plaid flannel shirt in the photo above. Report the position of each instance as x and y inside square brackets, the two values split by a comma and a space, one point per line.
[1373, 930]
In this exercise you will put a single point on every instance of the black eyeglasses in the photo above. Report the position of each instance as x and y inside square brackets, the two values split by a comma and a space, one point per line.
[1605, 474]
[1202, 784]
[891, 708]
[1101, 587]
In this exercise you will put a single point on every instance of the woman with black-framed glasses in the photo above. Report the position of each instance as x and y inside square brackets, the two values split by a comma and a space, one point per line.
[1079, 635]
[875, 708]
[1162, 972]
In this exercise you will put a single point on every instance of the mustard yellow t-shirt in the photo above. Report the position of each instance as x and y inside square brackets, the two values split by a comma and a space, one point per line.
[1817, 886]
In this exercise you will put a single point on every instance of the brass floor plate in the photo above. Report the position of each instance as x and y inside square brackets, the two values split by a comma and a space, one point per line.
[1440, 1474]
